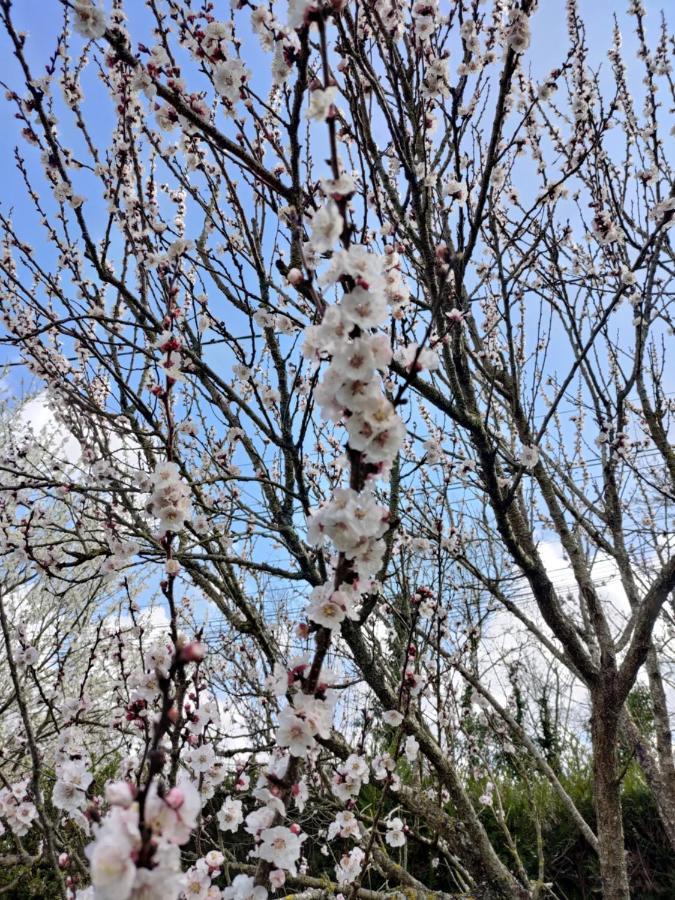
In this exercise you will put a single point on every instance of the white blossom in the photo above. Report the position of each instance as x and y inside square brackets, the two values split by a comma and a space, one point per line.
[320, 102]
[327, 225]
[89, 20]
[229, 77]
[281, 847]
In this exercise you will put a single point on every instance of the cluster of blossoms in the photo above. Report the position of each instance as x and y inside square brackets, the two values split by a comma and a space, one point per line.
[169, 345]
[351, 389]
[276, 845]
[427, 17]
[72, 775]
[89, 20]
[216, 42]
[349, 777]
[135, 851]
[345, 825]
[169, 498]
[518, 31]
[229, 77]
[350, 865]
[352, 520]
[198, 878]
[328, 607]
[113, 856]
[203, 761]
[300, 723]
[17, 808]
[355, 523]
[604, 228]
[351, 392]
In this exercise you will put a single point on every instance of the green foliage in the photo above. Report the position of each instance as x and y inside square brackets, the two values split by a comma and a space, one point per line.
[530, 803]
[570, 865]
[31, 878]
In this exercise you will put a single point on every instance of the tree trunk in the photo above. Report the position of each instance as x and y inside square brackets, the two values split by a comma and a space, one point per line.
[607, 793]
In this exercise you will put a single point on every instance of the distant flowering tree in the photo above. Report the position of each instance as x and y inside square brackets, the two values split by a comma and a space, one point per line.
[354, 329]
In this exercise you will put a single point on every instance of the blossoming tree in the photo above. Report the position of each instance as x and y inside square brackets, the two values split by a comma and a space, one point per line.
[351, 319]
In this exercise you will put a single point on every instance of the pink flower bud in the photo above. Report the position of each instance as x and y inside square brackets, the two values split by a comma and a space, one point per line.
[277, 878]
[175, 798]
[294, 276]
[195, 651]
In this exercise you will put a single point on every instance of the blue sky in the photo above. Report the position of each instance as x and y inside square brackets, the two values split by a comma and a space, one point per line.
[547, 49]
[41, 20]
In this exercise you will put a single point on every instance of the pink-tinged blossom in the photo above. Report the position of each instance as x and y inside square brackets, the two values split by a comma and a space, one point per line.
[120, 793]
[345, 825]
[111, 855]
[295, 733]
[392, 717]
[277, 879]
[197, 884]
[281, 847]
[17, 810]
[529, 457]
[229, 77]
[258, 820]
[214, 859]
[175, 815]
[349, 867]
[230, 815]
[395, 835]
[330, 608]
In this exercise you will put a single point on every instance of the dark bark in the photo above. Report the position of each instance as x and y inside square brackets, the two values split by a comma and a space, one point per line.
[607, 794]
